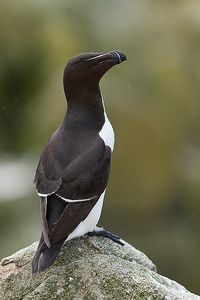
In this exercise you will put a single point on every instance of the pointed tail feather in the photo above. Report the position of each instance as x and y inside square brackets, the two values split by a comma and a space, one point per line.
[45, 256]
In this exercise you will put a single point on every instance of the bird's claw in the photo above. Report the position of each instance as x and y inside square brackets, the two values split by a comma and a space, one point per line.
[106, 234]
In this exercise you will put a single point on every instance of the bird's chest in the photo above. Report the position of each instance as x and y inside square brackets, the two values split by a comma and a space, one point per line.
[107, 133]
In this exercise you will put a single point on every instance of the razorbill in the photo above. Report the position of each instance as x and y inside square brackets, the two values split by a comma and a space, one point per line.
[73, 170]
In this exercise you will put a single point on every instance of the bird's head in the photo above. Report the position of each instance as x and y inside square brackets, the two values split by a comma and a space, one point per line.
[88, 68]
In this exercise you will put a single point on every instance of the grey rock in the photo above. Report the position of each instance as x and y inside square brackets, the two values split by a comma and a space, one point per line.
[88, 268]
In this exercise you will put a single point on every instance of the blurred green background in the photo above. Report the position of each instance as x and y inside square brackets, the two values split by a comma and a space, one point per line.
[153, 102]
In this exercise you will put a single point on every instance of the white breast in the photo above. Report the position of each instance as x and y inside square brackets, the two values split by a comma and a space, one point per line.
[107, 133]
[89, 224]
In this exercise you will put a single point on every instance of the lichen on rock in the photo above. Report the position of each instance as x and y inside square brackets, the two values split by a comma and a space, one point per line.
[88, 268]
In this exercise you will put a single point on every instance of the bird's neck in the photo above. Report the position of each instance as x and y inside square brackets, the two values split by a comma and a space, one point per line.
[85, 106]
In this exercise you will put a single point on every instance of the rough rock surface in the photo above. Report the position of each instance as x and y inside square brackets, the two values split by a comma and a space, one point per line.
[88, 268]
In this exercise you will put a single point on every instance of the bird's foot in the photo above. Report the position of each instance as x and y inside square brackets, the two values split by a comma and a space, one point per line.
[107, 234]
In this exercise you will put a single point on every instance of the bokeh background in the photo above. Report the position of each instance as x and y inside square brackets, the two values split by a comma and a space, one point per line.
[153, 101]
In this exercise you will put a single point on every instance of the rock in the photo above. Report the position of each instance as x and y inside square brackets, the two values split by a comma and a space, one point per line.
[88, 268]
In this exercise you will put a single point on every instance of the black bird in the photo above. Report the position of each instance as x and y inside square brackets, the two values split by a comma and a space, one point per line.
[73, 169]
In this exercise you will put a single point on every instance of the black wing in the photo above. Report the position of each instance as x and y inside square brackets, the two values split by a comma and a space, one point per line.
[62, 218]
[48, 173]
[85, 177]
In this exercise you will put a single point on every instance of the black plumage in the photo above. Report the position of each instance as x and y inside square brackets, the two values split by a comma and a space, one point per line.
[73, 169]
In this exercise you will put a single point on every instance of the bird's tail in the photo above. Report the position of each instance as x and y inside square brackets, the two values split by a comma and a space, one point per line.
[45, 256]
